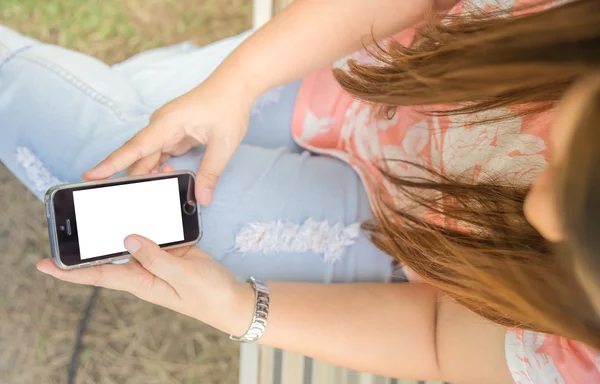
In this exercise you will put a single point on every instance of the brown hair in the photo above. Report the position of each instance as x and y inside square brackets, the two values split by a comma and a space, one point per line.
[484, 60]
[501, 267]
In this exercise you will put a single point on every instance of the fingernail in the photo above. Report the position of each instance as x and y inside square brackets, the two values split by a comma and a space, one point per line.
[131, 245]
[205, 196]
[91, 170]
[42, 268]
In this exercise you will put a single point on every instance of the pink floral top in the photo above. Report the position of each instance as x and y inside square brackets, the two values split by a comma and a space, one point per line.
[328, 121]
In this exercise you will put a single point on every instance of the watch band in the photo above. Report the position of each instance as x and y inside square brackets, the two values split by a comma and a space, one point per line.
[261, 313]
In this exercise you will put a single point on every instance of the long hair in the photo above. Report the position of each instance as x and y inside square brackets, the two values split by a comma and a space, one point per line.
[483, 60]
[500, 267]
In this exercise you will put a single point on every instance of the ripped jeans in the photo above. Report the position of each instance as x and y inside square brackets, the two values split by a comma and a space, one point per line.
[278, 213]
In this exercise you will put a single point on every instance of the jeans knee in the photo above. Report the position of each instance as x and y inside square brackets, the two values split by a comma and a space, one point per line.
[324, 238]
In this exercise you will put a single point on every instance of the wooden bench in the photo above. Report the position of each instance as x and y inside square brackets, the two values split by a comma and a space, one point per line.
[265, 365]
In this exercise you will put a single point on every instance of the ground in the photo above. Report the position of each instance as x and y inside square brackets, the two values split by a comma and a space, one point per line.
[128, 341]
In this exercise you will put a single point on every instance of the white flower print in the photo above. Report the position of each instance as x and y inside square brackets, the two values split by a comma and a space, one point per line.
[366, 137]
[483, 4]
[413, 143]
[492, 149]
[415, 139]
[362, 56]
[392, 153]
[314, 126]
[349, 125]
[365, 125]
[525, 363]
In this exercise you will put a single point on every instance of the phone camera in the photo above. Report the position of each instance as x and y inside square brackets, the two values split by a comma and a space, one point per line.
[189, 208]
[66, 227]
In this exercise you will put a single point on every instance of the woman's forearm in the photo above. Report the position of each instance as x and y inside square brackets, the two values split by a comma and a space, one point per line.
[398, 330]
[310, 34]
[388, 329]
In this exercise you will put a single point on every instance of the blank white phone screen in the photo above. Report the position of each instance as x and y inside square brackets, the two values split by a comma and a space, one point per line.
[106, 215]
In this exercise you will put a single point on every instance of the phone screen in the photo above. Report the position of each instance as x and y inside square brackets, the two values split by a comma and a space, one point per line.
[88, 222]
[105, 216]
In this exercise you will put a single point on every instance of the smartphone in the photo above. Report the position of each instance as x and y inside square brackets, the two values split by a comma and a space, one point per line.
[87, 222]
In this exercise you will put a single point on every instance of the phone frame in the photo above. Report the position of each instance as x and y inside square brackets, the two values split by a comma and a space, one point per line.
[52, 225]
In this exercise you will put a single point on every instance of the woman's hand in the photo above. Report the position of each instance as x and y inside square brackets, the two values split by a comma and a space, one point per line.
[325, 321]
[185, 280]
[215, 114]
[308, 35]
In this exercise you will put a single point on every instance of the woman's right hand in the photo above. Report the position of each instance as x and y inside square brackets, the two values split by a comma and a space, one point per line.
[184, 279]
[215, 114]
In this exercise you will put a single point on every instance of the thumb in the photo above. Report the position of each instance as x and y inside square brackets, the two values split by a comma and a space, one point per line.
[157, 261]
[218, 153]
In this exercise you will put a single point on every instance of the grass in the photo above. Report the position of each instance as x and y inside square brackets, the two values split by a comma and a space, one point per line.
[113, 30]
[128, 340]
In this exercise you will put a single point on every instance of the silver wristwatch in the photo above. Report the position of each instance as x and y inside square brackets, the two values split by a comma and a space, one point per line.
[261, 313]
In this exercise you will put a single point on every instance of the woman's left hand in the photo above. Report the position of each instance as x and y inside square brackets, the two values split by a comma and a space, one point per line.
[185, 280]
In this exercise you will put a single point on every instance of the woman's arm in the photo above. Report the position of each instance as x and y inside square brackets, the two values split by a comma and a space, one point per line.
[307, 35]
[399, 330]
[310, 34]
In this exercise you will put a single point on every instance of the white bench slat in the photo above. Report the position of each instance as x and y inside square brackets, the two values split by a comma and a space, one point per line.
[249, 363]
[267, 357]
[292, 368]
[262, 11]
[273, 366]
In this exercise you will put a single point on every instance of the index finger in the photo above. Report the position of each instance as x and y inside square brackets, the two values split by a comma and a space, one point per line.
[130, 277]
[144, 143]
[218, 153]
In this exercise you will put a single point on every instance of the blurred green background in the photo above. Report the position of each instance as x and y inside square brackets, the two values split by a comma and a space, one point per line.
[128, 341]
[115, 29]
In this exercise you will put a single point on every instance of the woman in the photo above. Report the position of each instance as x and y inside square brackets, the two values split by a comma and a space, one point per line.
[481, 257]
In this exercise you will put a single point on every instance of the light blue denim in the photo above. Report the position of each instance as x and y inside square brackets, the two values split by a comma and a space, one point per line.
[61, 112]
